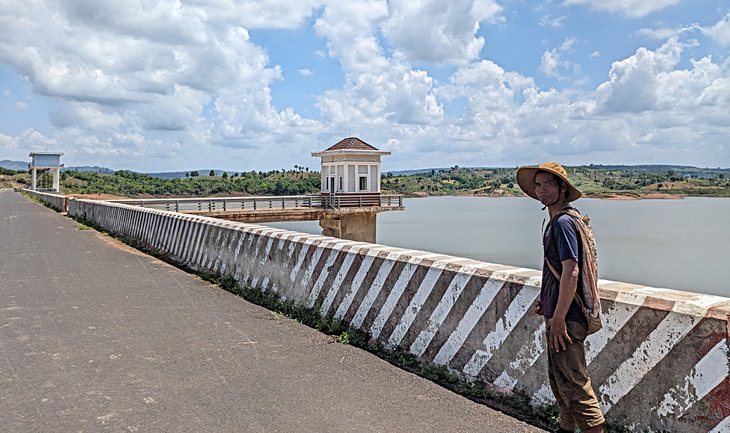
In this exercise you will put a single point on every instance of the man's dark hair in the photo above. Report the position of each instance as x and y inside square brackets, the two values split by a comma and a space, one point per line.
[559, 180]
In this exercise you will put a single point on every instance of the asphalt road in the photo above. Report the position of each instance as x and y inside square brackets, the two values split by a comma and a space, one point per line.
[96, 336]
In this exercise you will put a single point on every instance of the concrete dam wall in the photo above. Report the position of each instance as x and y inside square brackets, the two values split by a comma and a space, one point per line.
[58, 202]
[659, 363]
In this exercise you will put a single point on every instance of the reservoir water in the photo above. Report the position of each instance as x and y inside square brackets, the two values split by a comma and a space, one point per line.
[677, 244]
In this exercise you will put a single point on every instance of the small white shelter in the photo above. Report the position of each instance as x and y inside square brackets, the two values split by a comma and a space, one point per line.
[47, 161]
[350, 167]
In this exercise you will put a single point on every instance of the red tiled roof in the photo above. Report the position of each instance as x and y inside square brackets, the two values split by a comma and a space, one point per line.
[351, 143]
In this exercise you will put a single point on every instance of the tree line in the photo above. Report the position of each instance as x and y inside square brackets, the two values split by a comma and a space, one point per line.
[131, 184]
[593, 181]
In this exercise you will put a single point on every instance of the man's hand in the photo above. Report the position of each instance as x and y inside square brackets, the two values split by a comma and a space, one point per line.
[558, 334]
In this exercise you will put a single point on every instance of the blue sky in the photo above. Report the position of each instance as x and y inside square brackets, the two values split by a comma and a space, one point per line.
[241, 85]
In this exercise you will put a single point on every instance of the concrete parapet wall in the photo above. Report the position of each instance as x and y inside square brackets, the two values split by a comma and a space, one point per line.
[56, 201]
[660, 363]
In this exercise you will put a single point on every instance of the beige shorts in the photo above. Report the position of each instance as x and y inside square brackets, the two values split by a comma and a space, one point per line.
[570, 382]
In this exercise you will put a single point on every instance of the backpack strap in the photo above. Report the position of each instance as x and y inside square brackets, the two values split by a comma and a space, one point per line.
[555, 242]
[552, 269]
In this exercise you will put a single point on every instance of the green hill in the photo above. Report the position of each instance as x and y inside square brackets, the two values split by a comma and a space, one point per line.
[600, 181]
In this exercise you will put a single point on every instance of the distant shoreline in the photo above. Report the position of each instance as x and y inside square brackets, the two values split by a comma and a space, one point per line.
[615, 197]
[644, 197]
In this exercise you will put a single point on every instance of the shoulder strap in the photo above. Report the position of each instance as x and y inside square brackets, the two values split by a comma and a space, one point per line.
[552, 269]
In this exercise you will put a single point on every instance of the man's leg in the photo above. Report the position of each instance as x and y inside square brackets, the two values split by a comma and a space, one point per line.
[572, 385]
[567, 422]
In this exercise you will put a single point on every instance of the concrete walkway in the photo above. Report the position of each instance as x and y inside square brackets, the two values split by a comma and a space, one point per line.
[96, 336]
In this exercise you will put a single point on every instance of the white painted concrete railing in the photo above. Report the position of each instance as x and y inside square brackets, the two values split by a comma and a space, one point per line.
[266, 202]
[56, 201]
[225, 203]
[659, 363]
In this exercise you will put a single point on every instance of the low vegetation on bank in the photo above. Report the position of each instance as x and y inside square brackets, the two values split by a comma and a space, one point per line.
[138, 185]
[618, 182]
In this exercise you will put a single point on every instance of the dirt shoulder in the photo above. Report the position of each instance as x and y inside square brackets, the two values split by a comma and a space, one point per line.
[652, 196]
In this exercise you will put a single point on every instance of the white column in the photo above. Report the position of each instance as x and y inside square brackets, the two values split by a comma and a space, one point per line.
[379, 177]
[57, 179]
[35, 177]
[323, 178]
[346, 178]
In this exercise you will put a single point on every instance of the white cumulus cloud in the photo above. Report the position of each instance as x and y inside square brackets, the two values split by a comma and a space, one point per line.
[137, 84]
[412, 29]
[554, 65]
[720, 32]
[633, 83]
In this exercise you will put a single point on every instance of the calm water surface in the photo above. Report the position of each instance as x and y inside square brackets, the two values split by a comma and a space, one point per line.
[677, 244]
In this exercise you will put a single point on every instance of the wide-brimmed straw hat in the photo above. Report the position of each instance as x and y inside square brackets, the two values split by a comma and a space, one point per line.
[526, 179]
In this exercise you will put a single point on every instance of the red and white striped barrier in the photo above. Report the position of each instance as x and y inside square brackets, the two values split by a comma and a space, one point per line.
[660, 362]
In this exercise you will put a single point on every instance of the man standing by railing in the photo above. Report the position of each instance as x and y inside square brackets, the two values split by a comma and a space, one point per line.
[566, 324]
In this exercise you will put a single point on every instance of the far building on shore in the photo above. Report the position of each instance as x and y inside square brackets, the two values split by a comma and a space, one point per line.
[46, 161]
